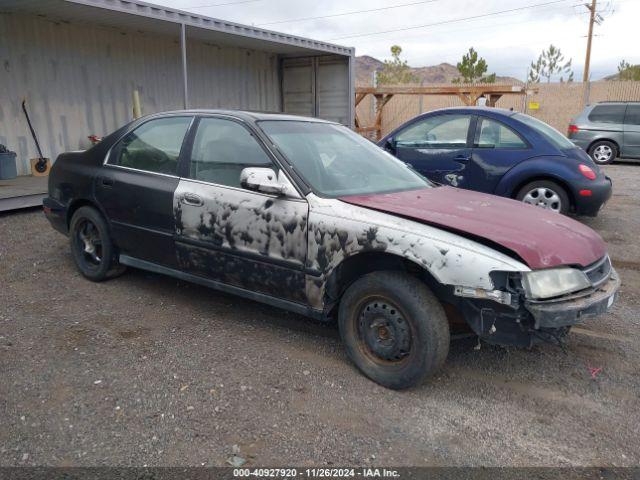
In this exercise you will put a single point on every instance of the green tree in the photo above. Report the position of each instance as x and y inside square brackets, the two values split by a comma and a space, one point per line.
[472, 69]
[550, 62]
[395, 71]
[626, 71]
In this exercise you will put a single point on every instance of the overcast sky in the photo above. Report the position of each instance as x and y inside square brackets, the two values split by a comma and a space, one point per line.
[509, 41]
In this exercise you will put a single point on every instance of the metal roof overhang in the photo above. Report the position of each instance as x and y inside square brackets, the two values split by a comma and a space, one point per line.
[147, 17]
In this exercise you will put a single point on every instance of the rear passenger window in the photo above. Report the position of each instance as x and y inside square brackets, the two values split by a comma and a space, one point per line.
[608, 113]
[633, 115]
[494, 134]
[221, 150]
[154, 146]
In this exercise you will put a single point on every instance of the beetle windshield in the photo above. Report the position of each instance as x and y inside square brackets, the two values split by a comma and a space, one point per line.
[547, 131]
[335, 161]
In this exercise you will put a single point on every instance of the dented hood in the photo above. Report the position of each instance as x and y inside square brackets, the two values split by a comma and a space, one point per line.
[540, 238]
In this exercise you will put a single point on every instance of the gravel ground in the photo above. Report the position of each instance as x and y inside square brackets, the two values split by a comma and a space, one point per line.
[147, 370]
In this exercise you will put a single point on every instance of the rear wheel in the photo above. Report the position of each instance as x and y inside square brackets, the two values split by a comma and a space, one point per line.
[92, 249]
[603, 152]
[545, 194]
[394, 329]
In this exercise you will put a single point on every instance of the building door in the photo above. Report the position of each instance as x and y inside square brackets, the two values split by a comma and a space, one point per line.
[317, 87]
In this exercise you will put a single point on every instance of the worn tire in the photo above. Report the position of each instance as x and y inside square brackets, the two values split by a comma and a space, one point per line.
[565, 203]
[107, 266]
[605, 146]
[417, 306]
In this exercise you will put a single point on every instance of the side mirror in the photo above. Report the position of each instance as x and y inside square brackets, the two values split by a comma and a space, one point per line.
[264, 180]
[390, 144]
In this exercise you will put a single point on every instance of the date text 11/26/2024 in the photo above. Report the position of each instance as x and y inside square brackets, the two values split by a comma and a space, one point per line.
[368, 472]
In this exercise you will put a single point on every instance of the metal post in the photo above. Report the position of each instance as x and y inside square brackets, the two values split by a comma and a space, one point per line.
[374, 100]
[526, 93]
[183, 47]
[352, 88]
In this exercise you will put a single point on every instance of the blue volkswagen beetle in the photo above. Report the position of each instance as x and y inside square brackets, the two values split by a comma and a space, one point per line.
[502, 152]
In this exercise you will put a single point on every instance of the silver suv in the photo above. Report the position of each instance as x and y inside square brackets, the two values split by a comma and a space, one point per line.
[608, 130]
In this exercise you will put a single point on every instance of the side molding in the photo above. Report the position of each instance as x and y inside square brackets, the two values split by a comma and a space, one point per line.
[223, 287]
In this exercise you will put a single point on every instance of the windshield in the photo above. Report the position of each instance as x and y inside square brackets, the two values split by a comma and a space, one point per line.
[335, 161]
[547, 131]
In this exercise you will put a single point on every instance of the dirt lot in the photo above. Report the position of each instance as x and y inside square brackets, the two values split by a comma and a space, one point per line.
[145, 369]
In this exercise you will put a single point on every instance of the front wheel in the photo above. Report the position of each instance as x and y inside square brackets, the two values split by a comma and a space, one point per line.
[394, 329]
[545, 194]
[92, 249]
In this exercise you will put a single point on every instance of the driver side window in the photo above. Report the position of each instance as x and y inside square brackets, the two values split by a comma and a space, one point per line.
[441, 131]
[153, 147]
[222, 149]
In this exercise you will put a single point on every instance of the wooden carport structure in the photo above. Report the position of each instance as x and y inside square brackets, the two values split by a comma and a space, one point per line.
[469, 94]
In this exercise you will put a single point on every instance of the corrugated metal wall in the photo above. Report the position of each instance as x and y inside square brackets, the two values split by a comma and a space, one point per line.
[78, 80]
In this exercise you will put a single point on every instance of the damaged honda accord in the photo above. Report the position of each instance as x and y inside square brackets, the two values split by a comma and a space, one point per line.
[306, 215]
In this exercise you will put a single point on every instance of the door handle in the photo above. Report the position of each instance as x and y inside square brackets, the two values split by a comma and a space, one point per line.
[192, 199]
[106, 181]
[462, 158]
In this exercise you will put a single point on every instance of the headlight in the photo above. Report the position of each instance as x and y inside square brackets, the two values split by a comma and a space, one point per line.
[540, 284]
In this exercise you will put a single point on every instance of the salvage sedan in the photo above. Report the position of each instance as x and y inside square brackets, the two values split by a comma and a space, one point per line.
[306, 215]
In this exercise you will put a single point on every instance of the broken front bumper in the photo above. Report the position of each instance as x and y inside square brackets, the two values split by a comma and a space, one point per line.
[532, 322]
[569, 311]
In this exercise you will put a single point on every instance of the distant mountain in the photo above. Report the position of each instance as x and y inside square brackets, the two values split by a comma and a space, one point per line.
[435, 74]
[365, 66]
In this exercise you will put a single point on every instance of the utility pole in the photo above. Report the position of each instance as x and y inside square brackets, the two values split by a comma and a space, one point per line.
[592, 19]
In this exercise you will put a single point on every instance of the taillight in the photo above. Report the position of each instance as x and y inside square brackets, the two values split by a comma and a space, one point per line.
[573, 129]
[587, 171]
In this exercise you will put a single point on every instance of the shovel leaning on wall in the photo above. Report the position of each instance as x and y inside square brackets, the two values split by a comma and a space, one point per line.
[39, 166]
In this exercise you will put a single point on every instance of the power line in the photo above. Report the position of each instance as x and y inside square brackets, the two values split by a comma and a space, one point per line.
[346, 13]
[455, 20]
[491, 26]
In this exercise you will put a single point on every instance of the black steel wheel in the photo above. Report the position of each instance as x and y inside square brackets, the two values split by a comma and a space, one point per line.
[91, 246]
[393, 328]
[383, 333]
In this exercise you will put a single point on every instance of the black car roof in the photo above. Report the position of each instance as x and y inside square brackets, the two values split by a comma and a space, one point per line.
[247, 115]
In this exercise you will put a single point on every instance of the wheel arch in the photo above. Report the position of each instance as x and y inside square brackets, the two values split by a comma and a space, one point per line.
[604, 139]
[75, 205]
[545, 177]
[362, 263]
